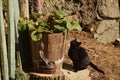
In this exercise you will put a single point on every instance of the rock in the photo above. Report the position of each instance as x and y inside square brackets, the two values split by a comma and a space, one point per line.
[108, 8]
[88, 12]
[80, 75]
[107, 31]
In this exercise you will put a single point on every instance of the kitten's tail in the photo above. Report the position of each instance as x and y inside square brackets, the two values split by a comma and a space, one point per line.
[96, 68]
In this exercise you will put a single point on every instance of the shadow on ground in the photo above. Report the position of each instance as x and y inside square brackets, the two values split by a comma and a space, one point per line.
[67, 66]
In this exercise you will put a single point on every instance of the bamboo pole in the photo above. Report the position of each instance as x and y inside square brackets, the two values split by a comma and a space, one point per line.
[16, 17]
[11, 39]
[4, 60]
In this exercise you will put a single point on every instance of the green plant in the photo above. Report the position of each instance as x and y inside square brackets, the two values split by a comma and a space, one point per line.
[21, 75]
[57, 22]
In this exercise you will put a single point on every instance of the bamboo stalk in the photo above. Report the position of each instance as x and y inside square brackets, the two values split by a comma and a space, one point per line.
[11, 39]
[16, 17]
[4, 60]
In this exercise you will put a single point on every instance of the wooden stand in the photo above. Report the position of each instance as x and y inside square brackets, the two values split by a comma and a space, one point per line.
[39, 76]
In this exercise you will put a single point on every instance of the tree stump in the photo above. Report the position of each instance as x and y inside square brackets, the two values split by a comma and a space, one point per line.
[40, 76]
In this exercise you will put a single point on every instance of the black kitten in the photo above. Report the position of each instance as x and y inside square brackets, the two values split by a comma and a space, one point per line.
[80, 57]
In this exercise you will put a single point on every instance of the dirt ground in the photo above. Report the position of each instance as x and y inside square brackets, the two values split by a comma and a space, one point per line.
[105, 56]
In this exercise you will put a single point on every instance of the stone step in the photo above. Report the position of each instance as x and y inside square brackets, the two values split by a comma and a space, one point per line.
[80, 75]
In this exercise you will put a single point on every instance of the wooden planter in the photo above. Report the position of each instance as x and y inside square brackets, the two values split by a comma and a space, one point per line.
[52, 46]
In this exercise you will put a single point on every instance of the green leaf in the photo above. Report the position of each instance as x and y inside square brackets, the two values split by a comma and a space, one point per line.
[41, 22]
[37, 15]
[59, 14]
[31, 25]
[74, 25]
[60, 28]
[36, 35]
[22, 25]
[62, 20]
[65, 30]
[45, 28]
[40, 29]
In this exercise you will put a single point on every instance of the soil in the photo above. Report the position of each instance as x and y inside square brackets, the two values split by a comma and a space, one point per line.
[105, 56]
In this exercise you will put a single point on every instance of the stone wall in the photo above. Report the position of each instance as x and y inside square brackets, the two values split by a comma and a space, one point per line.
[108, 15]
[101, 17]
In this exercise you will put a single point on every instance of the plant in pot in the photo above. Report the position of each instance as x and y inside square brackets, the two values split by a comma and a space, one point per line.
[50, 33]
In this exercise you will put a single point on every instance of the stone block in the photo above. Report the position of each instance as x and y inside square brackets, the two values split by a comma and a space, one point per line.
[80, 75]
[108, 8]
[107, 31]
